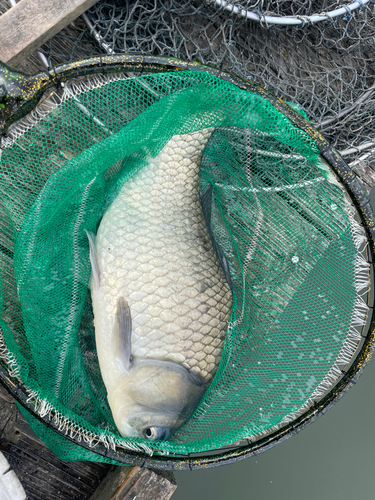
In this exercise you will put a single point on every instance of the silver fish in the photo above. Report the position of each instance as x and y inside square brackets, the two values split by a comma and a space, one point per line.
[160, 298]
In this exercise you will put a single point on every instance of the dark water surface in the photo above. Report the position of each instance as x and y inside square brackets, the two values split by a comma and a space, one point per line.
[331, 459]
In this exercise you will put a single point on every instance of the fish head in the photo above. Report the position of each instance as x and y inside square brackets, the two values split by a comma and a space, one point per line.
[155, 399]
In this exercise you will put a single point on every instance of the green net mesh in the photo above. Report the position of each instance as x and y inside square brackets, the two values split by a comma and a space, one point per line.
[295, 251]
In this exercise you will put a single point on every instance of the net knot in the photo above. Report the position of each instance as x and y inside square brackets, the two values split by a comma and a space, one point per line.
[348, 12]
[305, 20]
[262, 19]
[328, 15]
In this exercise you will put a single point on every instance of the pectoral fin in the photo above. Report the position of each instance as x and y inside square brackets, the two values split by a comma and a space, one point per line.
[94, 259]
[123, 331]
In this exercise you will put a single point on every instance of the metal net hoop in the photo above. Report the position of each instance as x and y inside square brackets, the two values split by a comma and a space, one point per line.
[290, 13]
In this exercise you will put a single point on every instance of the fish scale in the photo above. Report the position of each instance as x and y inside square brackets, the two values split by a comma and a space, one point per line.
[154, 249]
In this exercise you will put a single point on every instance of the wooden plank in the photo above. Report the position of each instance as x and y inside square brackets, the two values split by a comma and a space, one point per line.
[43, 475]
[30, 23]
[127, 483]
[15, 430]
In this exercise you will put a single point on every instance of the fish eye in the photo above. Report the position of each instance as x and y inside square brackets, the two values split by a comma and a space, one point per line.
[156, 433]
[149, 433]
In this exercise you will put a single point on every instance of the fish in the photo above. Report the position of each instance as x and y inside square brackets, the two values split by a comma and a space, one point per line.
[160, 297]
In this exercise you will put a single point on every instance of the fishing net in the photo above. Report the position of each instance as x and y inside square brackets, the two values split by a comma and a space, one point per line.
[325, 63]
[326, 67]
[297, 254]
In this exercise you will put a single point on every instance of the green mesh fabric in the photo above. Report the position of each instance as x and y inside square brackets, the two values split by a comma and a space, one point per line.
[65, 449]
[277, 215]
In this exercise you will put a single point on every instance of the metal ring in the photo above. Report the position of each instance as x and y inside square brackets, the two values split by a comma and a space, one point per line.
[290, 20]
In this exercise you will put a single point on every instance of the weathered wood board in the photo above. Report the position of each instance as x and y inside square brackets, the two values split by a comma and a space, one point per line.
[127, 483]
[30, 23]
[45, 477]
[42, 474]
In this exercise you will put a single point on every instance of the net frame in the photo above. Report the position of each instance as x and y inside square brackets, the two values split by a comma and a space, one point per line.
[32, 90]
[335, 87]
[329, 72]
[284, 20]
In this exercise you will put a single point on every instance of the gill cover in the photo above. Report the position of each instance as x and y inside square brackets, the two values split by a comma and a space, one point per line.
[153, 397]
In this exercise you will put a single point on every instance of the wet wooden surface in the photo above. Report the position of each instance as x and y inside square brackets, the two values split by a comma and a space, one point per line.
[128, 483]
[42, 474]
[45, 477]
[30, 23]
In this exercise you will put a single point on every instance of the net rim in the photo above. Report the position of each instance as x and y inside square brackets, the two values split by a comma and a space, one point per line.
[118, 63]
[301, 20]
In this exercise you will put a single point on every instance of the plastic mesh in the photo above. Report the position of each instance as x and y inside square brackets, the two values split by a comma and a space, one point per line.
[295, 251]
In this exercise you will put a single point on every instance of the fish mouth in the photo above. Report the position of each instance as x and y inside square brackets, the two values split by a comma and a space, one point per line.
[156, 395]
[159, 425]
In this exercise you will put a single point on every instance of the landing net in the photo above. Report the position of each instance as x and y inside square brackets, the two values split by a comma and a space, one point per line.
[296, 252]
